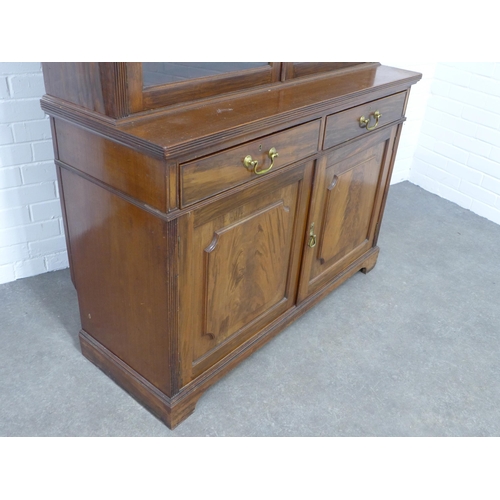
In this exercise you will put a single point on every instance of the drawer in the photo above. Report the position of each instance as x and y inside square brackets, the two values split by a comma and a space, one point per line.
[213, 174]
[345, 125]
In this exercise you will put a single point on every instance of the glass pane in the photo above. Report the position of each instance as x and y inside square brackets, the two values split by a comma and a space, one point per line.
[158, 73]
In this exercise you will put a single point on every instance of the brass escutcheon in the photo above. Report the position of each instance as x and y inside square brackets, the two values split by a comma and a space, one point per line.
[312, 237]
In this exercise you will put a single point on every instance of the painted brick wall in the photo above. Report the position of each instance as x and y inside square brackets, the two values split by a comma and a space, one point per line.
[31, 230]
[458, 152]
[415, 111]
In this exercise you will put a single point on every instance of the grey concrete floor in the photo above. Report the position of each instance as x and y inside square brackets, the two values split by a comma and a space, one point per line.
[411, 349]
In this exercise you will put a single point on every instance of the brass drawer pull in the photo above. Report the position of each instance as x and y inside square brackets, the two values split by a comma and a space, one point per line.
[252, 164]
[363, 122]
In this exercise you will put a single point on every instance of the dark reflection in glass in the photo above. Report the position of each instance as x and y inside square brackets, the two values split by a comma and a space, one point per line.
[158, 73]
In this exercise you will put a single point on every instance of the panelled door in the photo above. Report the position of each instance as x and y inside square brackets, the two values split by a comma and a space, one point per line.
[239, 265]
[347, 197]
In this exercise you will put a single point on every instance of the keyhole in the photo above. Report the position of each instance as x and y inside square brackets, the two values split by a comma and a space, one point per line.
[260, 147]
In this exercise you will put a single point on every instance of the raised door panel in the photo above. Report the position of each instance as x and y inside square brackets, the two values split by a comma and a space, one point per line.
[347, 198]
[246, 265]
[239, 266]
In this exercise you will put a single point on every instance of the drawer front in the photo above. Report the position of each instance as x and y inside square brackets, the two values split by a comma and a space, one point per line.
[208, 176]
[343, 126]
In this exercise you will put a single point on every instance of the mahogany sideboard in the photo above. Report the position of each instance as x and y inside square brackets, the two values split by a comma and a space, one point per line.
[207, 207]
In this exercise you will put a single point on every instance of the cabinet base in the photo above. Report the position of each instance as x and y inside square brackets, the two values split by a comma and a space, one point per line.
[369, 263]
[173, 410]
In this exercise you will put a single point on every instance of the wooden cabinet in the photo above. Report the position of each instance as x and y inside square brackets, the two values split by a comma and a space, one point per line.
[200, 226]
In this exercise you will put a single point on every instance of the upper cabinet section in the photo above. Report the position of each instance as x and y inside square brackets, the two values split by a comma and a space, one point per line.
[163, 107]
[117, 90]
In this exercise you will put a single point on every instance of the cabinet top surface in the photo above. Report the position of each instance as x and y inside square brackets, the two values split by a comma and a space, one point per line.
[177, 126]
[175, 130]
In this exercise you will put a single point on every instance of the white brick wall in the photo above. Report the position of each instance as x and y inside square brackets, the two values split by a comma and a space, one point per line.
[419, 96]
[458, 152]
[31, 230]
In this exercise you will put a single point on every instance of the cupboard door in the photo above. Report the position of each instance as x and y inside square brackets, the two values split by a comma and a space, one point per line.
[347, 198]
[239, 269]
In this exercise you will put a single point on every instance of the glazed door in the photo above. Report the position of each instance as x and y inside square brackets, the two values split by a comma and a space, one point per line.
[239, 265]
[347, 196]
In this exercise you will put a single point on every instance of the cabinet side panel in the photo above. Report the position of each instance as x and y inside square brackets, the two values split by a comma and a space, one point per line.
[120, 268]
[129, 171]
